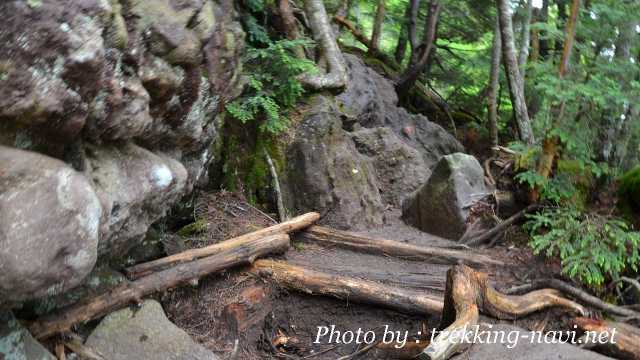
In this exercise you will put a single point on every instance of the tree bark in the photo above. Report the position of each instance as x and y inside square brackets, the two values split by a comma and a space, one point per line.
[410, 76]
[336, 77]
[376, 32]
[525, 38]
[133, 292]
[494, 84]
[414, 8]
[468, 293]
[433, 255]
[290, 26]
[516, 86]
[347, 288]
[295, 224]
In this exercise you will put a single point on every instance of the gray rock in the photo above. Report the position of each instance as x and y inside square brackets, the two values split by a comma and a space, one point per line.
[441, 206]
[136, 187]
[399, 168]
[525, 349]
[16, 343]
[49, 222]
[326, 173]
[143, 334]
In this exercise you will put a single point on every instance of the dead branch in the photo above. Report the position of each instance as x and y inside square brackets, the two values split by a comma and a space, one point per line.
[133, 292]
[352, 289]
[435, 255]
[295, 224]
[282, 212]
[468, 293]
[620, 340]
[501, 227]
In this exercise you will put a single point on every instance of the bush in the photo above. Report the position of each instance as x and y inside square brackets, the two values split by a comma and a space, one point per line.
[272, 84]
[591, 247]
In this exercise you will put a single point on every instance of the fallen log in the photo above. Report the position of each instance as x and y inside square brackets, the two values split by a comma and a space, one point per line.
[468, 293]
[314, 282]
[295, 224]
[133, 292]
[611, 338]
[435, 255]
[501, 227]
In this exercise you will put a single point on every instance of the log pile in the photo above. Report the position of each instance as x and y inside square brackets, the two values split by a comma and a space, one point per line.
[468, 292]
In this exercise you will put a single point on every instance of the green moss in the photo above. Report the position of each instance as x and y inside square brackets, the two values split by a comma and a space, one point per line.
[198, 227]
[630, 187]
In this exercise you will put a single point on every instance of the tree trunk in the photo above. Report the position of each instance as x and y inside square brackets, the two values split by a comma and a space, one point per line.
[410, 76]
[435, 255]
[544, 41]
[403, 38]
[347, 288]
[376, 32]
[525, 38]
[336, 77]
[494, 84]
[133, 292]
[290, 26]
[516, 86]
[551, 144]
[414, 9]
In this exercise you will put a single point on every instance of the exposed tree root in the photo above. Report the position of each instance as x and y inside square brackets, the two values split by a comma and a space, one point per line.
[621, 340]
[467, 294]
[501, 227]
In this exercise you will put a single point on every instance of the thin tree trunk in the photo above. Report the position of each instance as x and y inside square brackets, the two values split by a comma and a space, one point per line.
[494, 83]
[406, 81]
[336, 77]
[525, 38]
[376, 32]
[513, 73]
[414, 8]
[544, 42]
[403, 38]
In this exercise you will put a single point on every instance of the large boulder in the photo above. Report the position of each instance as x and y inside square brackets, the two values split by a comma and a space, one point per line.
[145, 334]
[326, 173]
[17, 343]
[136, 188]
[399, 168]
[49, 225]
[441, 206]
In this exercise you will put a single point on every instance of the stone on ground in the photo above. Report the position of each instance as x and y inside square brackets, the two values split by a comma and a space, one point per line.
[144, 334]
[16, 343]
[441, 206]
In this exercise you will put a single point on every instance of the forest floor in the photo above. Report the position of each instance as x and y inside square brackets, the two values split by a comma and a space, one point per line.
[270, 322]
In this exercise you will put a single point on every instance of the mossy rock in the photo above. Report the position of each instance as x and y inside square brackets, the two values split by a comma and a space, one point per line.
[630, 187]
[198, 227]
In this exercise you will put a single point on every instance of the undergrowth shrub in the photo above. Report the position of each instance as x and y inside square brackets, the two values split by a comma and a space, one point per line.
[591, 247]
[272, 87]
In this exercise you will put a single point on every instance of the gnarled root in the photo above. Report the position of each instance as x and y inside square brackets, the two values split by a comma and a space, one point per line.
[612, 338]
[468, 293]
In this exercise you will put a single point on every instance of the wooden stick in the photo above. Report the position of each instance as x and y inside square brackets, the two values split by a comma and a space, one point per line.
[467, 294]
[620, 340]
[127, 293]
[295, 224]
[435, 255]
[502, 226]
[347, 288]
